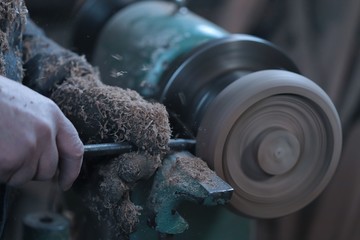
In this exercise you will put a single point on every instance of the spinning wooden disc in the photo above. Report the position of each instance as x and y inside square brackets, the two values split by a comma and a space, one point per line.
[275, 137]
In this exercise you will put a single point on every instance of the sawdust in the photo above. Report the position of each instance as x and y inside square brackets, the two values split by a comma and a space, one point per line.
[112, 114]
[188, 169]
[108, 199]
[196, 168]
[128, 216]
[108, 195]
[133, 167]
[121, 173]
[100, 113]
[181, 177]
[12, 23]
[119, 220]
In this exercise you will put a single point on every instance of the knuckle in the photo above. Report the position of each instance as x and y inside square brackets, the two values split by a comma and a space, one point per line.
[51, 105]
[30, 148]
[53, 110]
[44, 129]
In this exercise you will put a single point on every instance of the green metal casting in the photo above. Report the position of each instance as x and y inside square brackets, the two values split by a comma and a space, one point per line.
[140, 41]
[182, 205]
[182, 177]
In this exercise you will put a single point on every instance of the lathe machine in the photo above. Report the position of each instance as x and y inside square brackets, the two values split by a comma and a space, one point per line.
[272, 135]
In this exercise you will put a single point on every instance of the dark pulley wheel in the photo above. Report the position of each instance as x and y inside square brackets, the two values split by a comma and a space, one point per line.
[275, 136]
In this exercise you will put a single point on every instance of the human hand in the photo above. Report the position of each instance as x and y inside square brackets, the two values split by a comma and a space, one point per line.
[36, 139]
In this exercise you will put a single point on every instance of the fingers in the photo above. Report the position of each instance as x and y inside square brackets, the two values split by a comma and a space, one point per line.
[41, 162]
[20, 167]
[36, 138]
[35, 162]
[71, 151]
[48, 163]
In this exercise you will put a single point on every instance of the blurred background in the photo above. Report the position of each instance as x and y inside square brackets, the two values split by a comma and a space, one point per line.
[320, 36]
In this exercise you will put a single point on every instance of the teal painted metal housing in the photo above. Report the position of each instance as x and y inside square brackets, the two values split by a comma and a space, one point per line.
[140, 41]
